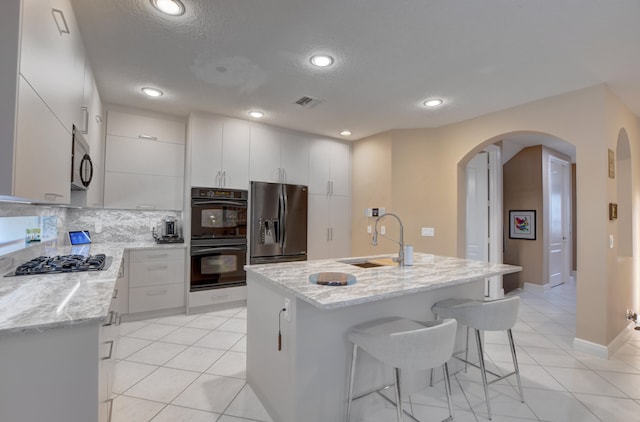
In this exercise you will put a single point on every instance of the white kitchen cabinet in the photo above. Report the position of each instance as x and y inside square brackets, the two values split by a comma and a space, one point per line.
[142, 191]
[144, 162]
[219, 151]
[53, 59]
[278, 155]
[329, 167]
[141, 126]
[42, 153]
[121, 291]
[329, 228]
[62, 374]
[156, 279]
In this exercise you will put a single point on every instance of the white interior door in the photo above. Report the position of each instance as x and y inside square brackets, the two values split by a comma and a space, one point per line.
[559, 221]
[477, 208]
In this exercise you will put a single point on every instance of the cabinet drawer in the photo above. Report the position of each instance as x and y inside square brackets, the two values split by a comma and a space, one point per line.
[217, 296]
[145, 127]
[156, 255]
[142, 299]
[156, 272]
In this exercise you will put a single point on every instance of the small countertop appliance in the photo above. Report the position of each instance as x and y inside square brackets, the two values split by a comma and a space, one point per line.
[169, 230]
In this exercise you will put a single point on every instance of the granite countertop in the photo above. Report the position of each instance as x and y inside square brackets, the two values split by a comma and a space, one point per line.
[427, 272]
[42, 302]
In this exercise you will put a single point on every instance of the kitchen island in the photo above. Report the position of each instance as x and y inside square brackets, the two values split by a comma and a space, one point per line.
[306, 380]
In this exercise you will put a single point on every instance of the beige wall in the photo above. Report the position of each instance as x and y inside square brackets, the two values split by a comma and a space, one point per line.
[522, 190]
[427, 188]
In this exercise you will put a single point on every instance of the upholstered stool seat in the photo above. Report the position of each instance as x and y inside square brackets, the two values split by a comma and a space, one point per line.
[404, 344]
[491, 315]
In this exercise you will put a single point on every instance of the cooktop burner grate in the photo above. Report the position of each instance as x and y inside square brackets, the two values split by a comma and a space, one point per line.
[61, 264]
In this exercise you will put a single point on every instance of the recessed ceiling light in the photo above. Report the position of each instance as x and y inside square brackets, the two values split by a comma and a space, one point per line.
[435, 102]
[170, 7]
[152, 92]
[345, 133]
[256, 114]
[321, 60]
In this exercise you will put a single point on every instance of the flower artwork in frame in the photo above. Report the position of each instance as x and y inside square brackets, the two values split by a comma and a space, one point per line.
[522, 224]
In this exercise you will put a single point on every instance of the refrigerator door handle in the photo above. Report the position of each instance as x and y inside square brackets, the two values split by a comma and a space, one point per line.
[285, 214]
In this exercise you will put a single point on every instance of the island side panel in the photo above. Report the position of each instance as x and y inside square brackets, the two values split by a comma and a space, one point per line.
[269, 371]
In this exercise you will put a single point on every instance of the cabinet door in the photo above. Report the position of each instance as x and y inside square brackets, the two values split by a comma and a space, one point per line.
[52, 57]
[318, 227]
[235, 154]
[145, 127]
[340, 243]
[43, 151]
[319, 166]
[142, 191]
[143, 156]
[96, 140]
[265, 154]
[294, 158]
[205, 136]
[340, 168]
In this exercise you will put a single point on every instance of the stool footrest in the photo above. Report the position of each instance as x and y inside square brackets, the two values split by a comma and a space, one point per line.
[486, 370]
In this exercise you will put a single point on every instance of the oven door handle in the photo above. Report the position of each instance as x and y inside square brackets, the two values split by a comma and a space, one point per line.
[200, 252]
[219, 202]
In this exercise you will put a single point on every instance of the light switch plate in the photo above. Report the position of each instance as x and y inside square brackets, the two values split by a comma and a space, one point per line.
[428, 231]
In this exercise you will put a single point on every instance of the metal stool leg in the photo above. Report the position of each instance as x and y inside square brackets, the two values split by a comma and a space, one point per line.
[352, 375]
[515, 363]
[466, 351]
[483, 370]
[398, 396]
[447, 389]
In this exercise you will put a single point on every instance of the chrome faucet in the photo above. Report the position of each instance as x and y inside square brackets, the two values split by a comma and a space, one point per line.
[374, 239]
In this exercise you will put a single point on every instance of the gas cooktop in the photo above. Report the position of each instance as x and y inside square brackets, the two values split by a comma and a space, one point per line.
[62, 264]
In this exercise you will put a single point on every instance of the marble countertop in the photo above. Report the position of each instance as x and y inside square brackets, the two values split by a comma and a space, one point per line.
[427, 272]
[42, 302]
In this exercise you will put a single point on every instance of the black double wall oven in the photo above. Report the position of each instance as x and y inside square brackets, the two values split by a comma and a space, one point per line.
[218, 238]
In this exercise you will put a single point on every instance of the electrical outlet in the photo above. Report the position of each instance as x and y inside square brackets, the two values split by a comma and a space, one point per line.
[383, 230]
[98, 227]
[287, 305]
[369, 229]
[381, 211]
[428, 231]
[368, 212]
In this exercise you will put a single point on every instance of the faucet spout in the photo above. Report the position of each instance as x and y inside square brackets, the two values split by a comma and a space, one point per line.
[374, 239]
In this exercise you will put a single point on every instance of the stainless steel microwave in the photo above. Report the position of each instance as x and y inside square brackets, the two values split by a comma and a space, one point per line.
[81, 164]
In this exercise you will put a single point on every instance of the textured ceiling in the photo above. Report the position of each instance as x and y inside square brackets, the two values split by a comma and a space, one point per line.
[232, 56]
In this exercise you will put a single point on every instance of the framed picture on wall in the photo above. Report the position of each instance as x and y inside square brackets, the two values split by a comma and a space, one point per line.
[522, 224]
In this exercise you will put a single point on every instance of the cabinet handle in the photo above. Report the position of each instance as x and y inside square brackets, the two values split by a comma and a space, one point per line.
[161, 255]
[113, 317]
[85, 120]
[157, 267]
[146, 207]
[219, 297]
[110, 411]
[224, 178]
[111, 342]
[328, 234]
[218, 179]
[151, 138]
[156, 292]
[115, 294]
[61, 22]
[331, 187]
[331, 231]
[328, 187]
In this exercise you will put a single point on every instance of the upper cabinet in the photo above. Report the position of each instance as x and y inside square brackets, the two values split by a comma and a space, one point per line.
[329, 167]
[53, 58]
[41, 94]
[144, 162]
[278, 155]
[219, 151]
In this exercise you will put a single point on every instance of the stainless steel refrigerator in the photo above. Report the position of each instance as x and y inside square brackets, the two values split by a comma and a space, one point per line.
[278, 222]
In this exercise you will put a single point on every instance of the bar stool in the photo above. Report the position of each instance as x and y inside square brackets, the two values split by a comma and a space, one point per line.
[404, 345]
[492, 315]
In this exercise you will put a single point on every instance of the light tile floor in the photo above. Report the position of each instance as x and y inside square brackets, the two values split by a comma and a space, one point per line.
[191, 368]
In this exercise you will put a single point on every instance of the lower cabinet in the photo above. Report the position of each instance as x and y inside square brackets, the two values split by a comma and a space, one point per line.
[61, 374]
[156, 279]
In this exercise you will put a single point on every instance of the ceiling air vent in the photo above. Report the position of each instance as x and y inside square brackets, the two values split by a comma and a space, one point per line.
[307, 102]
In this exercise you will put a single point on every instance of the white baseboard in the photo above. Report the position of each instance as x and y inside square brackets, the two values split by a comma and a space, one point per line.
[538, 288]
[600, 351]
